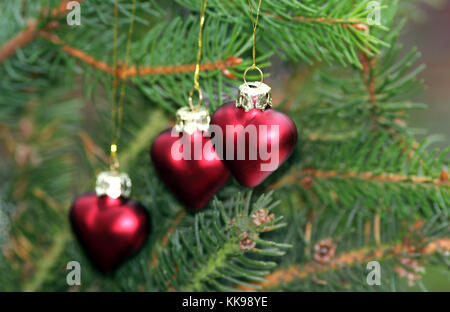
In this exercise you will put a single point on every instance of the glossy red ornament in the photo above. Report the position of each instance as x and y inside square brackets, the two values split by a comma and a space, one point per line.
[248, 171]
[194, 181]
[109, 230]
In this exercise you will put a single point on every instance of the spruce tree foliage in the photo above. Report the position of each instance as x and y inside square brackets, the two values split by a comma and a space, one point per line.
[359, 185]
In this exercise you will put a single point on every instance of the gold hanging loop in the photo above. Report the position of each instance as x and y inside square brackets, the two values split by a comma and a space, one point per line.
[258, 69]
[254, 26]
[200, 98]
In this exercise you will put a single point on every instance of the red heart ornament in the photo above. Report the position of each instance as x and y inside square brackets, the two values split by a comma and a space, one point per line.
[266, 139]
[193, 179]
[109, 230]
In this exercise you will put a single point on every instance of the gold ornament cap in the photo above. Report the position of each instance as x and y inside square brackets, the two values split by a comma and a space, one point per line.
[113, 184]
[254, 95]
[190, 121]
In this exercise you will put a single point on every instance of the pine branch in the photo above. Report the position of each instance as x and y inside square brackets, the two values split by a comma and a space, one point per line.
[222, 41]
[372, 172]
[154, 124]
[375, 96]
[20, 40]
[216, 254]
[295, 272]
[30, 33]
[356, 23]
[165, 239]
[368, 64]
[124, 72]
[307, 31]
[39, 141]
[373, 157]
[45, 264]
[221, 57]
[305, 177]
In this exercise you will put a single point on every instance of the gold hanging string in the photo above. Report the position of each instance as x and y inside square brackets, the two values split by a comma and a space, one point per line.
[254, 26]
[117, 107]
[197, 88]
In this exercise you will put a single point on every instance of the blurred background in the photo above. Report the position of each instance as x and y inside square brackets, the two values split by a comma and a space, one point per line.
[430, 32]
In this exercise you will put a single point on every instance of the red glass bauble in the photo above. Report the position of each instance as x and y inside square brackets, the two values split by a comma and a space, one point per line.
[265, 150]
[109, 230]
[194, 179]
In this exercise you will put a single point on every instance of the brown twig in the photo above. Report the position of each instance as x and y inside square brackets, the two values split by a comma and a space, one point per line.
[50, 201]
[21, 39]
[124, 72]
[376, 229]
[369, 176]
[369, 79]
[30, 33]
[367, 231]
[77, 53]
[321, 20]
[346, 259]
[93, 151]
[388, 177]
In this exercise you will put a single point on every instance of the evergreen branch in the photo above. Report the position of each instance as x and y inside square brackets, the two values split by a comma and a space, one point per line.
[223, 65]
[30, 33]
[154, 124]
[92, 150]
[53, 253]
[222, 40]
[369, 80]
[124, 72]
[82, 56]
[317, 136]
[293, 28]
[356, 23]
[20, 40]
[294, 272]
[42, 180]
[373, 97]
[371, 174]
[368, 64]
[46, 263]
[216, 254]
[305, 175]
[375, 157]
[51, 202]
[222, 58]
[165, 239]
